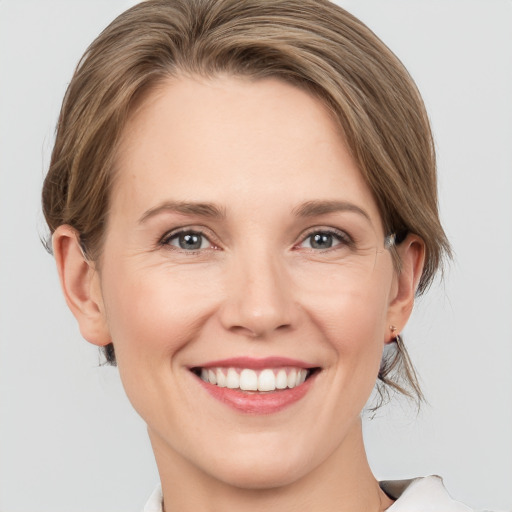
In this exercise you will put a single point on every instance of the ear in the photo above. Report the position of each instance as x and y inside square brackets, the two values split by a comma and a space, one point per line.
[411, 253]
[80, 284]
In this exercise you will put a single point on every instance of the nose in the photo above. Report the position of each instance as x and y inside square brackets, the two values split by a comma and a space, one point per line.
[259, 297]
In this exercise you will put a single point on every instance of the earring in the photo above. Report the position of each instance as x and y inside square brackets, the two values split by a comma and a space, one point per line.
[396, 337]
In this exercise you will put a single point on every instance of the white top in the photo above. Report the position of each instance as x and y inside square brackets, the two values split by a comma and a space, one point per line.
[417, 495]
[426, 494]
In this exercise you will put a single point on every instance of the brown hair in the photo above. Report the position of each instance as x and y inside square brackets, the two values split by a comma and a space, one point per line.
[312, 44]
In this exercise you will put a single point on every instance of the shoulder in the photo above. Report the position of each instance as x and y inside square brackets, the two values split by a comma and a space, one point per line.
[426, 494]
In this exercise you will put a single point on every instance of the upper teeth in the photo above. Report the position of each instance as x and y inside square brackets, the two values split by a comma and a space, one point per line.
[247, 379]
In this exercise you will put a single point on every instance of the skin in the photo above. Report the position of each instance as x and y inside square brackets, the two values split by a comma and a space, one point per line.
[256, 287]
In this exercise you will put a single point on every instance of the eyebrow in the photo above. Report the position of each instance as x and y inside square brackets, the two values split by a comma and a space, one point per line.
[308, 209]
[185, 208]
[315, 208]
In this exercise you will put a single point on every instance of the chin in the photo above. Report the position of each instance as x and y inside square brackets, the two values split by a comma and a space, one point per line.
[271, 462]
[260, 474]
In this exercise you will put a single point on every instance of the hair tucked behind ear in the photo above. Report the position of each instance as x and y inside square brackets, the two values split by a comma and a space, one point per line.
[312, 44]
[397, 374]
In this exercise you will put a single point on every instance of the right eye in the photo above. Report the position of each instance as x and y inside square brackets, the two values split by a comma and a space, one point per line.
[188, 241]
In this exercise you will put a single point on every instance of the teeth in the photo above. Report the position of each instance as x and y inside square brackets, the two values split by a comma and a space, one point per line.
[267, 381]
[232, 379]
[292, 378]
[281, 380]
[221, 378]
[250, 380]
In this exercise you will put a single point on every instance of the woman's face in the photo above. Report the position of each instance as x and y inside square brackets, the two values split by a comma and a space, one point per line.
[244, 247]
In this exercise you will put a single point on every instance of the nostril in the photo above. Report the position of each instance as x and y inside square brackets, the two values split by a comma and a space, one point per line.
[244, 331]
[259, 330]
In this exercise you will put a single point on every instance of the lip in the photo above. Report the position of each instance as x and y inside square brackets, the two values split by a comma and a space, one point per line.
[258, 403]
[256, 363]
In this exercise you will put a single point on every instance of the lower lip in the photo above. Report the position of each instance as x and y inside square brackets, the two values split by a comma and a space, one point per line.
[258, 403]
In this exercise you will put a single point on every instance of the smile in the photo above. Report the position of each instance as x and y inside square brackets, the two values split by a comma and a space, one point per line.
[256, 386]
[247, 379]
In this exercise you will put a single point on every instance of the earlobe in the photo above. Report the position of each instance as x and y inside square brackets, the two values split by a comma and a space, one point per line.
[80, 284]
[411, 252]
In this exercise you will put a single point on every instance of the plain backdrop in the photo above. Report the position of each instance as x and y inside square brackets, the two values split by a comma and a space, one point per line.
[69, 441]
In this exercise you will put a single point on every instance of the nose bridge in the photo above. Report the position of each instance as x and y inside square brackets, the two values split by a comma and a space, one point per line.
[259, 295]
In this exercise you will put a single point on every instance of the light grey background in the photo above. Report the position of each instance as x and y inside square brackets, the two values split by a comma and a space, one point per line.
[69, 441]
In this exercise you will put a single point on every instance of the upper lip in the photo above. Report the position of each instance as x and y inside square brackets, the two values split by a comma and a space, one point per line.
[256, 363]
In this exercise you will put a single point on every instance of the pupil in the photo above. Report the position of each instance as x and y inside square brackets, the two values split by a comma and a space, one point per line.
[321, 241]
[190, 241]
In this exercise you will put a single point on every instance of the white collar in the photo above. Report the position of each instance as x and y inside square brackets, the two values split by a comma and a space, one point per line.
[426, 494]
[154, 504]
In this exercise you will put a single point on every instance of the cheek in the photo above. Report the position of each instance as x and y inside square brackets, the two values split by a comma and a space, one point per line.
[353, 313]
[152, 313]
[152, 317]
[353, 321]
[355, 330]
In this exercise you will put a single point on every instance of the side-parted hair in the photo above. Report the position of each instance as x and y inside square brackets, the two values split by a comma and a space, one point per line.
[312, 44]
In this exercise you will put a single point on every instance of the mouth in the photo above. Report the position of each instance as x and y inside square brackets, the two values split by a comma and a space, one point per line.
[255, 380]
[254, 386]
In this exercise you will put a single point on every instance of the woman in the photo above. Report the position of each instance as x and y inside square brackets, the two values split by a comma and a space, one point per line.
[242, 200]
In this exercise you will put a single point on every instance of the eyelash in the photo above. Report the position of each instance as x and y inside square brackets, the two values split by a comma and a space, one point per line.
[342, 237]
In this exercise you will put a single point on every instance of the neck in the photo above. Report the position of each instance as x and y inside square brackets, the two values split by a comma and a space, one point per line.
[341, 483]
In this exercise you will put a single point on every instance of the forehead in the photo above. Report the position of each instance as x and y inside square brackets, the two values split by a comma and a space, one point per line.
[227, 139]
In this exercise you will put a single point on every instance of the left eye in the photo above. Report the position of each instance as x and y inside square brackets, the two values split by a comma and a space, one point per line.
[322, 240]
[189, 241]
